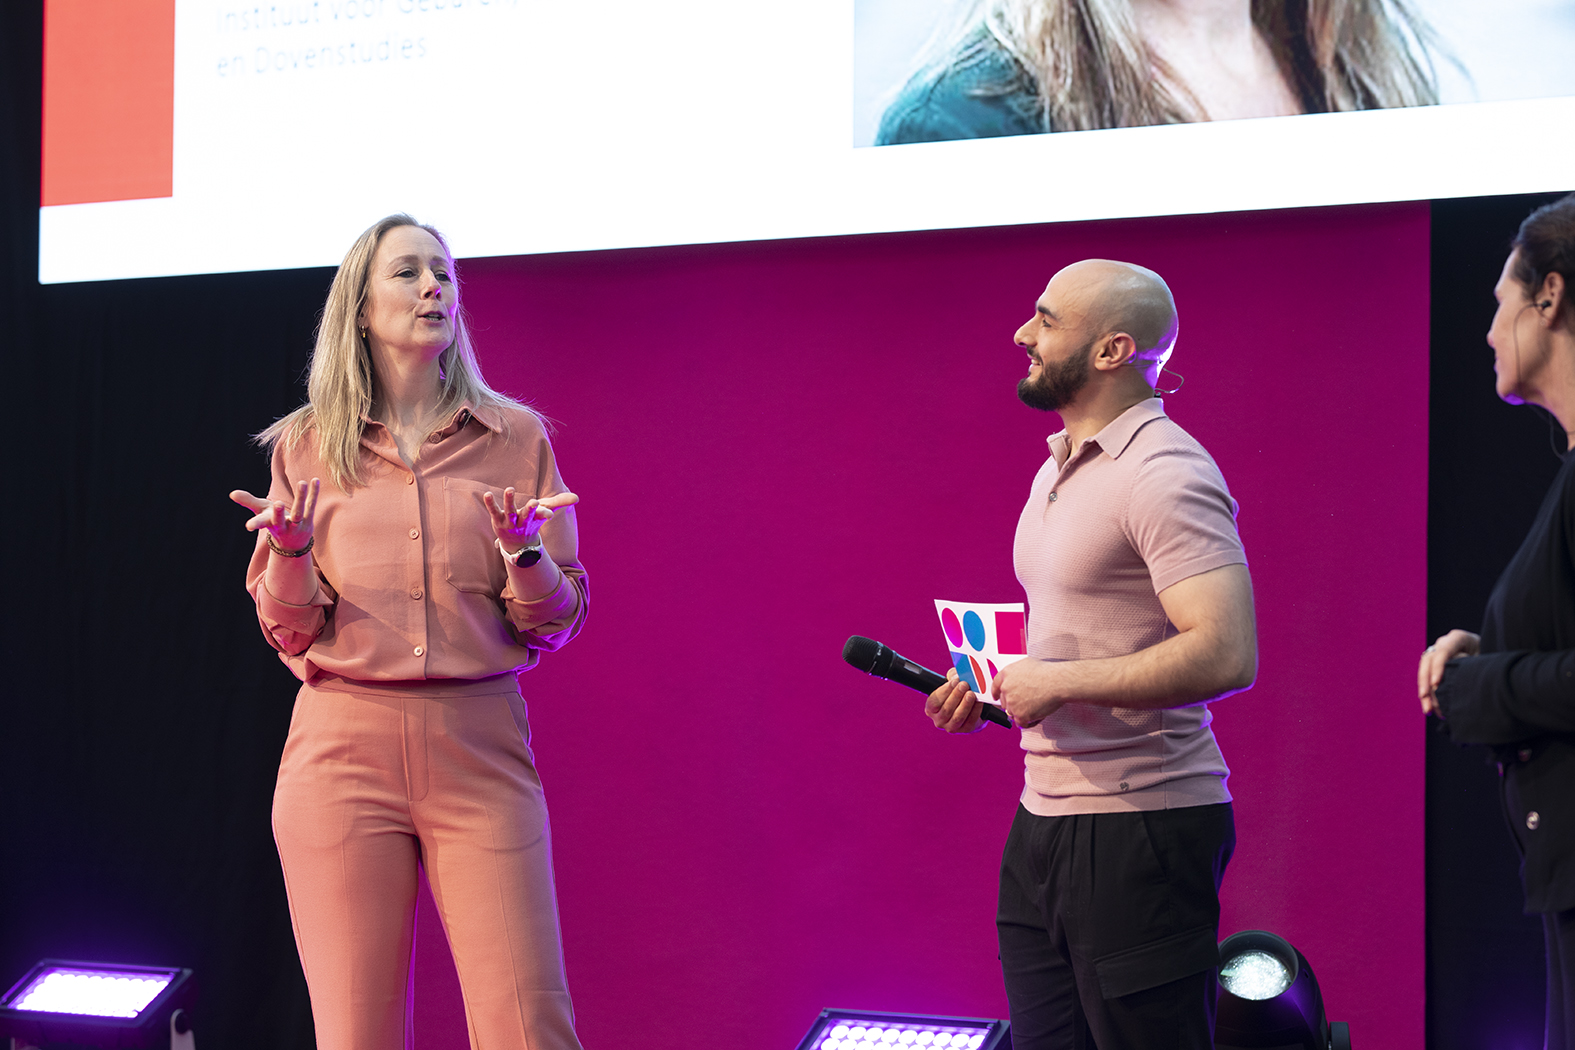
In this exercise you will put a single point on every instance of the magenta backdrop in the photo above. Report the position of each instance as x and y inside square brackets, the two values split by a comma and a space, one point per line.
[781, 444]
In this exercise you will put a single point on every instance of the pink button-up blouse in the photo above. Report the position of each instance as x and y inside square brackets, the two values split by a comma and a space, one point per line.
[411, 586]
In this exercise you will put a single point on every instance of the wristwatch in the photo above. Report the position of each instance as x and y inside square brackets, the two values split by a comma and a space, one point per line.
[526, 556]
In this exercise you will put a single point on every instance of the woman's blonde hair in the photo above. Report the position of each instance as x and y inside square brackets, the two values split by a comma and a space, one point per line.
[341, 389]
[1091, 69]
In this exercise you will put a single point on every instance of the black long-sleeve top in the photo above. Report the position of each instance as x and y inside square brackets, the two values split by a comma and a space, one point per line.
[1519, 696]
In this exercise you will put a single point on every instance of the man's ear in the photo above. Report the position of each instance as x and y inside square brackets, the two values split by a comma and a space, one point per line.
[1115, 350]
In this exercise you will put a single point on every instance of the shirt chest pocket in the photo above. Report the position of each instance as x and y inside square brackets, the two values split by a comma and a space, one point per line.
[470, 560]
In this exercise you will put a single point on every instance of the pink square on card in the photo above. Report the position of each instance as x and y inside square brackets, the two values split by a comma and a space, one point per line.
[1011, 634]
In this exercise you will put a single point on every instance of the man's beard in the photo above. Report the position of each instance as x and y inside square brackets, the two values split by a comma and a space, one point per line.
[1057, 385]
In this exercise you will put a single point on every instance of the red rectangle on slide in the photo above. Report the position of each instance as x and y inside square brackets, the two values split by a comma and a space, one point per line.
[1011, 634]
[109, 100]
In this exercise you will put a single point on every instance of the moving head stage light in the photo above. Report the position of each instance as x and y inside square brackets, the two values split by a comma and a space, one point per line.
[1269, 998]
[80, 1004]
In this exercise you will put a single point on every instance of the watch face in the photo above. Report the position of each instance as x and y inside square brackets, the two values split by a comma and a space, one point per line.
[527, 557]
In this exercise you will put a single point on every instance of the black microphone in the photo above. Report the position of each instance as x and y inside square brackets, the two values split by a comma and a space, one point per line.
[872, 657]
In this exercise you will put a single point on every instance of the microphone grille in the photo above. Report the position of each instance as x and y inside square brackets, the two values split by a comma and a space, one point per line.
[861, 652]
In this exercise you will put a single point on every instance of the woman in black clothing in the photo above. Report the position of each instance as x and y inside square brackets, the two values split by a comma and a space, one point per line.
[1513, 686]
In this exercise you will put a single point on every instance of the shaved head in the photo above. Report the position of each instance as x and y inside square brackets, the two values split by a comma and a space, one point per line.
[1109, 296]
[1099, 336]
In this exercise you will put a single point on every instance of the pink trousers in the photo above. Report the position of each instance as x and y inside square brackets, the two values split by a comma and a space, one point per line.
[377, 780]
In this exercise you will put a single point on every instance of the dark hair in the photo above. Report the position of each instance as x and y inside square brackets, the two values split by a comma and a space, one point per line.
[1546, 244]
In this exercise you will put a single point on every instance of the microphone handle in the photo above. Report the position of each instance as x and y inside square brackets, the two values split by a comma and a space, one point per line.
[992, 713]
[917, 676]
[914, 676]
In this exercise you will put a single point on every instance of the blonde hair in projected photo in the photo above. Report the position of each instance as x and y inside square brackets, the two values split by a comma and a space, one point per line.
[1091, 69]
[341, 391]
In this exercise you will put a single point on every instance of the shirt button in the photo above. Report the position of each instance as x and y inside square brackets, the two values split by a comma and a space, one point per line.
[420, 651]
[1052, 497]
[1532, 820]
[415, 592]
[415, 533]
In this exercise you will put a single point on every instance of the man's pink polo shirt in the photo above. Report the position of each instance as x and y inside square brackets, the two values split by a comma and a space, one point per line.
[1140, 507]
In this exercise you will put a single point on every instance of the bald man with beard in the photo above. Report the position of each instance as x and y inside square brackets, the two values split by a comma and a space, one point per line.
[1139, 613]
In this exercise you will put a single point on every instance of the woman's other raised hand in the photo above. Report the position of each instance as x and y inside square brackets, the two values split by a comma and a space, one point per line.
[515, 525]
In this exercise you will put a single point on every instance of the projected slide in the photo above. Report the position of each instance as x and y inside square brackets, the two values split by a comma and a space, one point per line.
[191, 136]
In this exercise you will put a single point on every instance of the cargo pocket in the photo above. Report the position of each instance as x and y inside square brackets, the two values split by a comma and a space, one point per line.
[1157, 962]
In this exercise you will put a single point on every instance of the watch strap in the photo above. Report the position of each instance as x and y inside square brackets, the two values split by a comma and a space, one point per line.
[526, 556]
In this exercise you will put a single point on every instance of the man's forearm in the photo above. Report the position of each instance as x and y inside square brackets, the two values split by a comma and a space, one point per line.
[1181, 670]
[1213, 654]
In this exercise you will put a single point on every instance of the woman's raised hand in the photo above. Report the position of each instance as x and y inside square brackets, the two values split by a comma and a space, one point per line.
[514, 525]
[290, 527]
[1430, 670]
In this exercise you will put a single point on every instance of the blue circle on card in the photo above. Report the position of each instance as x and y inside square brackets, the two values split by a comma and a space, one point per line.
[973, 628]
[965, 670]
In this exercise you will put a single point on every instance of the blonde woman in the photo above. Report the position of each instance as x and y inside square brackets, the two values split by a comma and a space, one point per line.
[415, 552]
[1023, 67]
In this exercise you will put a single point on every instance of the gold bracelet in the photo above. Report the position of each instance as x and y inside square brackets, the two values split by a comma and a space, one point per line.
[290, 554]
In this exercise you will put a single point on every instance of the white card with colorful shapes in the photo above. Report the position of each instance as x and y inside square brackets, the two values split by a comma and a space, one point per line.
[983, 639]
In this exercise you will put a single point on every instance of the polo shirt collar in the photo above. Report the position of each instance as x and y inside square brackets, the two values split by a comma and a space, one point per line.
[1117, 434]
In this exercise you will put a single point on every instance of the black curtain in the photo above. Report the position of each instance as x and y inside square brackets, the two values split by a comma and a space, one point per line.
[143, 715]
[1489, 465]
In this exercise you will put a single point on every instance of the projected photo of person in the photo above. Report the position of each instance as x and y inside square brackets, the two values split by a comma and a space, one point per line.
[1024, 67]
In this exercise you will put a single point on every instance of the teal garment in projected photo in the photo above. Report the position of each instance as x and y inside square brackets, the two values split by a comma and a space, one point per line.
[981, 93]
